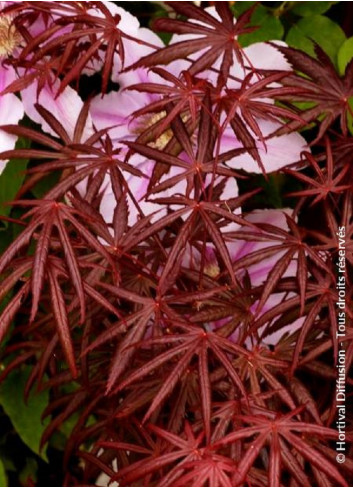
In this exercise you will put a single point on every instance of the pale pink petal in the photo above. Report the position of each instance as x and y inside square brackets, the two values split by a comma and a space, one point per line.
[65, 108]
[127, 23]
[147, 42]
[264, 56]
[238, 248]
[138, 187]
[114, 110]
[275, 153]
[261, 56]
[274, 338]
[230, 189]
[11, 112]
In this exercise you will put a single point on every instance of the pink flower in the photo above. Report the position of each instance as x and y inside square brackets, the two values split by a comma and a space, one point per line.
[256, 56]
[239, 248]
[11, 108]
[258, 272]
[278, 152]
[11, 111]
[65, 108]
[114, 111]
[275, 153]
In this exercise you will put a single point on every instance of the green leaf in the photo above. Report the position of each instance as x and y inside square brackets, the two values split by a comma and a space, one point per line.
[29, 472]
[164, 36]
[3, 478]
[324, 31]
[25, 417]
[349, 116]
[239, 7]
[9, 231]
[46, 184]
[272, 193]
[344, 55]
[311, 8]
[12, 178]
[269, 26]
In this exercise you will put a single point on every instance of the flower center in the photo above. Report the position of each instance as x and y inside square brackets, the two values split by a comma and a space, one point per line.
[149, 120]
[212, 270]
[10, 38]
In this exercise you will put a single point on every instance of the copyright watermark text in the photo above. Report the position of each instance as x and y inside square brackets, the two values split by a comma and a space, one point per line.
[341, 357]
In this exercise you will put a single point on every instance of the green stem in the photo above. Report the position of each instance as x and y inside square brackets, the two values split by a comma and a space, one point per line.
[284, 7]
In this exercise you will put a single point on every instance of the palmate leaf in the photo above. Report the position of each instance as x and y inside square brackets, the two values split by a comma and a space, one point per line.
[230, 310]
[197, 164]
[184, 94]
[202, 153]
[46, 216]
[59, 45]
[221, 210]
[217, 37]
[133, 326]
[80, 157]
[243, 107]
[253, 101]
[189, 342]
[321, 297]
[262, 368]
[196, 161]
[285, 436]
[190, 459]
[204, 210]
[330, 241]
[153, 315]
[282, 446]
[292, 245]
[325, 184]
[322, 85]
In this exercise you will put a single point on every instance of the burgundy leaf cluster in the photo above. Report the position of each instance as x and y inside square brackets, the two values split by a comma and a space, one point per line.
[181, 370]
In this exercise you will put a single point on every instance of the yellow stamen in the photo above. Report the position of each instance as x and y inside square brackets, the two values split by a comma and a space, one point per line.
[150, 120]
[212, 270]
[10, 38]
